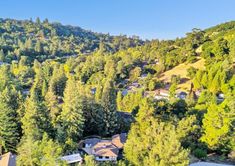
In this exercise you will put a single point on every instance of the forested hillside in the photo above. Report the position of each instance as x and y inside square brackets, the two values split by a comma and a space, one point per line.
[43, 40]
[108, 85]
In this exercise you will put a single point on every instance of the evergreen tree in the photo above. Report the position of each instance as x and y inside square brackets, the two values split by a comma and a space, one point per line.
[38, 21]
[53, 106]
[72, 118]
[109, 109]
[10, 128]
[215, 84]
[28, 44]
[36, 119]
[93, 114]
[39, 47]
[58, 81]
[6, 78]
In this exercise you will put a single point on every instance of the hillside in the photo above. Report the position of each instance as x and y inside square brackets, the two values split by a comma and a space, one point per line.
[42, 39]
[65, 90]
[181, 70]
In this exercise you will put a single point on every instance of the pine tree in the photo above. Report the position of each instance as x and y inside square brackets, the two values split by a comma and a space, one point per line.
[38, 47]
[6, 77]
[53, 106]
[58, 81]
[10, 128]
[36, 119]
[93, 114]
[28, 44]
[38, 21]
[215, 84]
[72, 118]
[110, 109]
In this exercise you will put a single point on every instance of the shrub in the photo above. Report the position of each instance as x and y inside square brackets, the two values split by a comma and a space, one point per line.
[200, 153]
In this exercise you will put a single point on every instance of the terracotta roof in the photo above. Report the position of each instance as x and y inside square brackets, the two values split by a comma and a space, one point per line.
[8, 159]
[105, 148]
[119, 139]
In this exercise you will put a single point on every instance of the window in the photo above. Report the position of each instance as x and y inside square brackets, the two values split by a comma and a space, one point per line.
[106, 157]
[100, 157]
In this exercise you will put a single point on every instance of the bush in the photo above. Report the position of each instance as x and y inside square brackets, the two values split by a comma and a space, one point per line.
[200, 153]
[191, 59]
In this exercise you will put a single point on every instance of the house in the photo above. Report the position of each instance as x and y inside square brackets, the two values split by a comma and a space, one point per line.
[119, 139]
[161, 94]
[8, 159]
[90, 142]
[72, 159]
[182, 95]
[105, 149]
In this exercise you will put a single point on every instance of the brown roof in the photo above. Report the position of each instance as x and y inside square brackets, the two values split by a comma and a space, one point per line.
[8, 159]
[105, 148]
[119, 139]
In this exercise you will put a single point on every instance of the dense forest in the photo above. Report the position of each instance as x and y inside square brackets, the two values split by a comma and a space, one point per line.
[60, 84]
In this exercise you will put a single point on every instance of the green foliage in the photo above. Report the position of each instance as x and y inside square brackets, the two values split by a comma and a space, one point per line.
[72, 119]
[109, 109]
[191, 72]
[200, 153]
[217, 124]
[40, 153]
[10, 129]
[42, 40]
[73, 76]
[36, 119]
[161, 137]
[89, 161]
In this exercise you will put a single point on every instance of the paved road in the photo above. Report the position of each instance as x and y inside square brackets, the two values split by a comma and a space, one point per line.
[207, 164]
